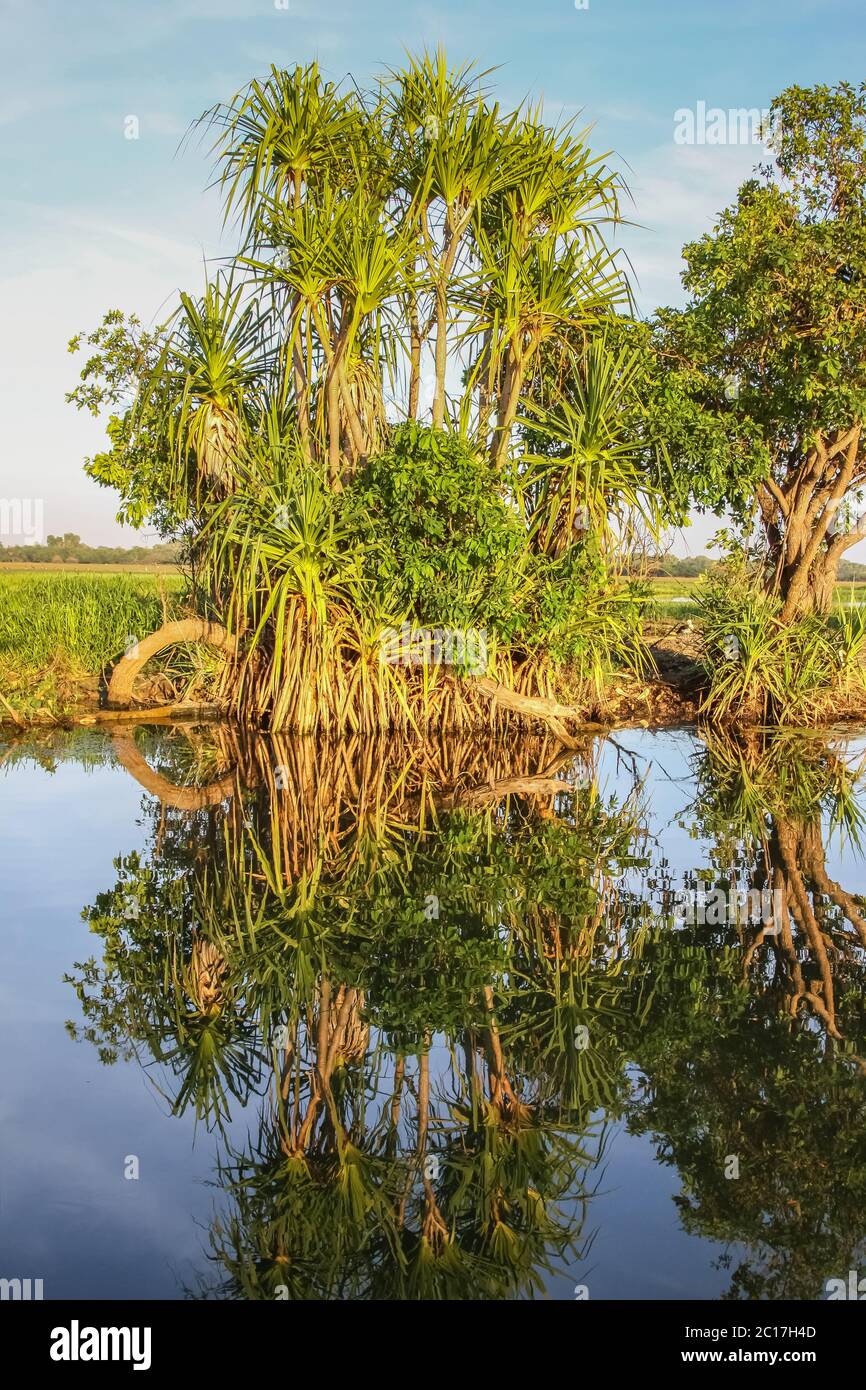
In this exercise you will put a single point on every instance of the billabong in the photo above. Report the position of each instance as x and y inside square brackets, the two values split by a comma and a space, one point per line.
[76, 1343]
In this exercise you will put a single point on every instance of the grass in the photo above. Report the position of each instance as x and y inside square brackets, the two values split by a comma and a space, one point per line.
[667, 588]
[764, 670]
[85, 618]
[677, 598]
[58, 631]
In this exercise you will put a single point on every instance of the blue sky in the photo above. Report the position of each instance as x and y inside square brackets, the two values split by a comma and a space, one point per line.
[91, 220]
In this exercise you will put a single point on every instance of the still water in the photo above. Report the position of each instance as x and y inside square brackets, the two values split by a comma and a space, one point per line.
[282, 1020]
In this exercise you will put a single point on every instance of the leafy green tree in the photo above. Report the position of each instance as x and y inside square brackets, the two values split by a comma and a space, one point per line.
[760, 386]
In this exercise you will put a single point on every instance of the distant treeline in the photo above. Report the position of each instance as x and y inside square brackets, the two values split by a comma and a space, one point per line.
[72, 550]
[670, 567]
[694, 565]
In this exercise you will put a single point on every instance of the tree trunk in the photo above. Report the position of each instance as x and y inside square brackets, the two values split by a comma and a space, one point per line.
[822, 582]
[803, 587]
[441, 355]
[450, 247]
[509, 399]
[414, 361]
[802, 518]
[332, 391]
[302, 397]
[807, 587]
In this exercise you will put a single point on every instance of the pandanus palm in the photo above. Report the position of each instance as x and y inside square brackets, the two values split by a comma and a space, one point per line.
[543, 270]
[596, 470]
[278, 137]
[204, 977]
[284, 141]
[464, 157]
[528, 295]
[368, 223]
[209, 374]
[562, 186]
[310, 173]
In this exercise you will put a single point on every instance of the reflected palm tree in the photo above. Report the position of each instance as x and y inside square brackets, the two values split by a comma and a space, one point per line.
[433, 971]
[359, 924]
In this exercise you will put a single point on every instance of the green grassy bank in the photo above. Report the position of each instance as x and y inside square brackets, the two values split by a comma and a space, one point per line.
[58, 630]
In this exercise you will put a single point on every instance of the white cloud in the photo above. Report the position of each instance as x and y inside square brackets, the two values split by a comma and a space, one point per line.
[678, 192]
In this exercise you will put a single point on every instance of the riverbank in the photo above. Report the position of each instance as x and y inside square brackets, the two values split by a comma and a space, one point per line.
[60, 634]
[669, 694]
[67, 687]
[653, 702]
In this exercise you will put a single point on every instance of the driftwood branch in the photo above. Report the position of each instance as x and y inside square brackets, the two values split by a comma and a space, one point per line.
[185, 630]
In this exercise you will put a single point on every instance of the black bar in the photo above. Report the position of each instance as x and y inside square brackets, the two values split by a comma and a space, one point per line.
[215, 1338]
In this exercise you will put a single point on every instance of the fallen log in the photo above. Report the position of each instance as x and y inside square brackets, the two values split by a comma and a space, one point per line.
[551, 712]
[156, 714]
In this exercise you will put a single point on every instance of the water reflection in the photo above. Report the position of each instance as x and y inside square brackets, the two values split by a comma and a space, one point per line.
[752, 1046]
[441, 973]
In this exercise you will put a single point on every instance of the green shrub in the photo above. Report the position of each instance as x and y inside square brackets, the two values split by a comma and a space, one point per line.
[579, 617]
[439, 541]
[759, 667]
